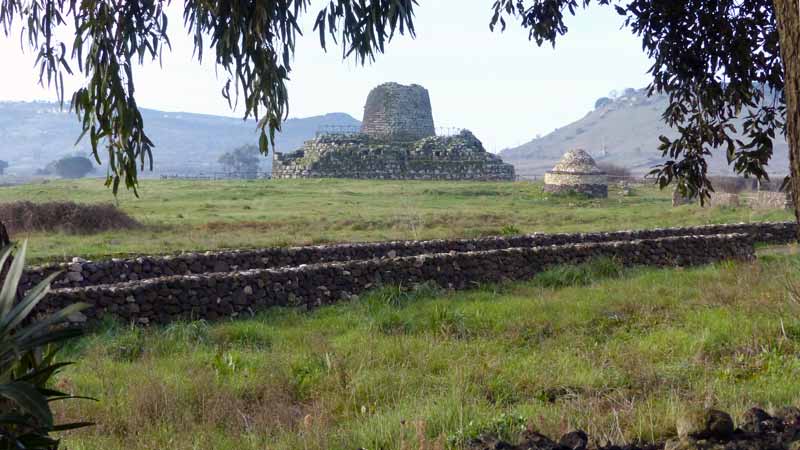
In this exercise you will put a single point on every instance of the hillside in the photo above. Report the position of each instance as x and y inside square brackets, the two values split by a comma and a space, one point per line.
[35, 133]
[624, 132]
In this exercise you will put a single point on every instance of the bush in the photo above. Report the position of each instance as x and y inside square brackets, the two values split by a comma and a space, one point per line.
[73, 167]
[68, 217]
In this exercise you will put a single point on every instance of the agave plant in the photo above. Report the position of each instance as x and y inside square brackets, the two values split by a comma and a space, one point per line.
[27, 360]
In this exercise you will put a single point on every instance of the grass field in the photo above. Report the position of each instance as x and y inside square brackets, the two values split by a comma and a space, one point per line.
[618, 353]
[184, 215]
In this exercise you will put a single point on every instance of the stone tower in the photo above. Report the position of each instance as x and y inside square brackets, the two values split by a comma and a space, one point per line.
[398, 113]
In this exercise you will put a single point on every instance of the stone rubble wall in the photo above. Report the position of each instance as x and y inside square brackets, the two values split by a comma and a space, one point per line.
[397, 112]
[460, 157]
[592, 190]
[723, 199]
[88, 273]
[594, 185]
[217, 295]
[574, 178]
[771, 200]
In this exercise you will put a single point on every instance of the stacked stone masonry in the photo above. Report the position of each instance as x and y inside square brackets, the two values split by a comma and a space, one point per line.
[88, 273]
[397, 142]
[577, 172]
[398, 113]
[460, 157]
[217, 295]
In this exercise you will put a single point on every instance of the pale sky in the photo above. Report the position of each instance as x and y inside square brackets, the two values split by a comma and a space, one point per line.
[499, 85]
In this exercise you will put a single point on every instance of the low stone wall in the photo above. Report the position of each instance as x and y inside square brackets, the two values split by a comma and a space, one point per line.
[592, 190]
[217, 295]
[723, 199]
[771, 200]
[87, 273]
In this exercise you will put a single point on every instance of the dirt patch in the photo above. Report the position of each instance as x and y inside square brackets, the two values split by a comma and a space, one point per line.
[67, 217]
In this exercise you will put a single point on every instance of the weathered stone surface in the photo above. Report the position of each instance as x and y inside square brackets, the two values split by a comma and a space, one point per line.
[399, 113]
[723, 199]
[574, 440]
[117, 270]
[397, 142]
[577, 172]
[459, 157]
[783, 438]
[772, 200]
[216, 295]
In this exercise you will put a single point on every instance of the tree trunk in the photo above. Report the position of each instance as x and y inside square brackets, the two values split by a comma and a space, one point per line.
[787, 14]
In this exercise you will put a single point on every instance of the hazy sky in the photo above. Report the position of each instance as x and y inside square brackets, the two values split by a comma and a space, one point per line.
[499, 85]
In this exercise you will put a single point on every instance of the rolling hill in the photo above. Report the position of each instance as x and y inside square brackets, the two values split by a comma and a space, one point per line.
[34, 133]
[623, 132]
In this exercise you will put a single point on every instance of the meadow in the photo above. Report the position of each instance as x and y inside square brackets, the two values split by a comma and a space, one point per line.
[186, 215]
[618, 352]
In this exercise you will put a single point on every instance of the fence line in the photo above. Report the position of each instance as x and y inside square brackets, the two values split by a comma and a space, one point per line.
[218, 176]
[355, 130]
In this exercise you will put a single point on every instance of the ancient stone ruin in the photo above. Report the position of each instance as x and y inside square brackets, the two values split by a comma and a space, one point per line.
[398, 113]
[397, 141]
[577, 172]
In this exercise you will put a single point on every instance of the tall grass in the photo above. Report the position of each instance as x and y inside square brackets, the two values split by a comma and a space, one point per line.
[615, 351]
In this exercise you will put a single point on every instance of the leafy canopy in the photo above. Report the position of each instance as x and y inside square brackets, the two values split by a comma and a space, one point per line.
[252, 41]
[714, 59]
[72, 167]
[242, 160]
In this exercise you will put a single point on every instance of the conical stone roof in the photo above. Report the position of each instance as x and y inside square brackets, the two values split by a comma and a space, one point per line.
[577, 172]
[577, 162]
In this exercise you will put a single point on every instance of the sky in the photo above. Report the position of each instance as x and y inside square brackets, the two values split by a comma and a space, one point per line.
[499, 85]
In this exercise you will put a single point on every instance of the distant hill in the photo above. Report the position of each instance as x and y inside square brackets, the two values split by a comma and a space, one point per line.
[35, 133]
[622, 131]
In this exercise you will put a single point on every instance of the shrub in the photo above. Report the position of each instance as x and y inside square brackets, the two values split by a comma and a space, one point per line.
[27, 352]
[510, 230]
[68, 217]
[73, 167]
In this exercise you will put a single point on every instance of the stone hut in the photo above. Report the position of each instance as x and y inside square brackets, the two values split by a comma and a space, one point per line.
[577, 172]
[397, 141]
[398, 113]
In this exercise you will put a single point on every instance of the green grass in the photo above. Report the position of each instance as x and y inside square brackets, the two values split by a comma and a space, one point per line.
[185, 215]
[616, 352]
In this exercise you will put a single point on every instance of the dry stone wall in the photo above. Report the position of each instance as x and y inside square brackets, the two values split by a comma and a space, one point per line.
[771, 200]
[217, 295]
[459, 157]
[724, 199]
[399, 113]
[87, 273]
